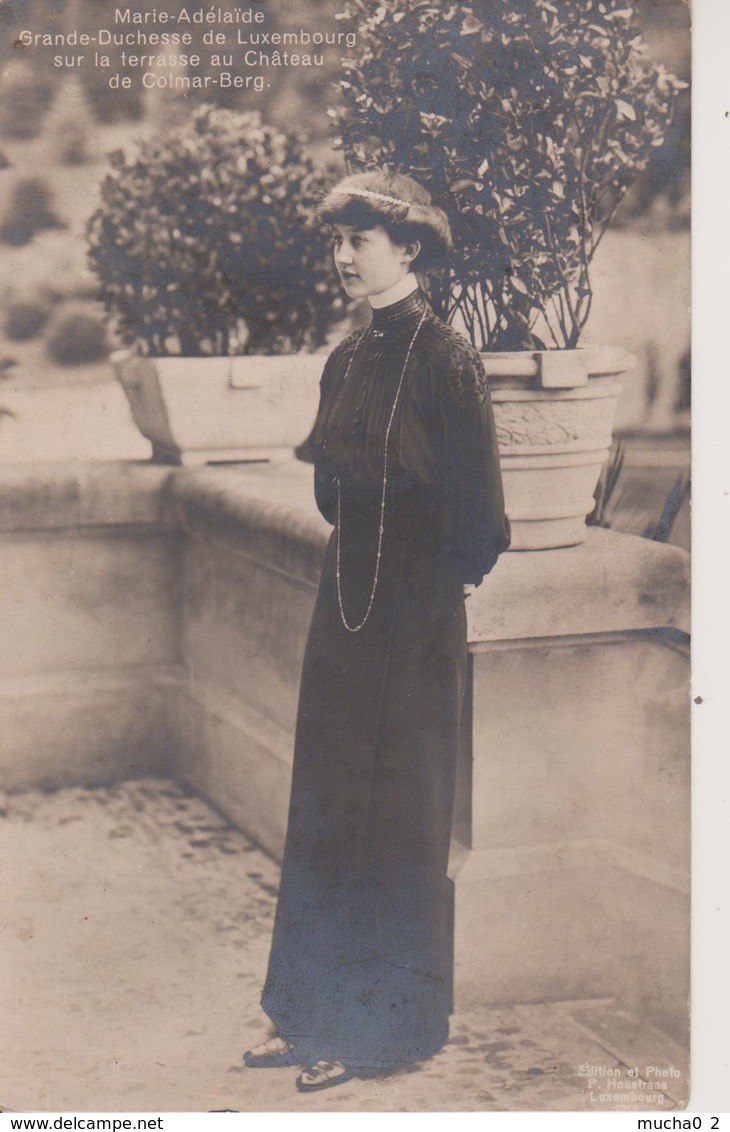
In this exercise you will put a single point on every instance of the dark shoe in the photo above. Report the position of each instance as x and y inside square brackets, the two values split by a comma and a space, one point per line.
[323, 1075]
[272, 1054]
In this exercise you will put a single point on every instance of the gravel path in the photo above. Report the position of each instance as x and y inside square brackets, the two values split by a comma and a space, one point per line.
[135, 936]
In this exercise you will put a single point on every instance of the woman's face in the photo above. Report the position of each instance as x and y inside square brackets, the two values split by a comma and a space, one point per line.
[368, 261]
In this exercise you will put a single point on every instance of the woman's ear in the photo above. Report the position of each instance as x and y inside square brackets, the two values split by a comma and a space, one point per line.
[412, 250]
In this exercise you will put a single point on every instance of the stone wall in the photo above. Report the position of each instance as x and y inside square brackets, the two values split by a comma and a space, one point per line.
[90, 614]
[155, 619]
[253, 548]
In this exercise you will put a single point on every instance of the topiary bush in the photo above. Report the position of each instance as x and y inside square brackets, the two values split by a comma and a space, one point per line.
[25, 318]
[31, 209]
[205, 240]
[527, 120]
[25, 96]
[69, 126]
[76, 336]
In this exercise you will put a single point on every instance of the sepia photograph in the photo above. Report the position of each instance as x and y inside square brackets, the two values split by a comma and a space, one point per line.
[345, 398]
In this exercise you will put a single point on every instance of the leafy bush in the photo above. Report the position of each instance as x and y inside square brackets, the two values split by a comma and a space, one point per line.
[25, 318]
[69, 125]
[76, 336]
[24, 99]
[72, 285]
[205, 241]
[111, 105]
[31, 209]
[527, 120]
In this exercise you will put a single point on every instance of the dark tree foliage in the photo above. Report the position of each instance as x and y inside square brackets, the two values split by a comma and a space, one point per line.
[205, 242]
[527, 120]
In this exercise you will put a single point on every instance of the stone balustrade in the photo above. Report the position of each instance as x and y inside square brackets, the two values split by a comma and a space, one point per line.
[154, 621]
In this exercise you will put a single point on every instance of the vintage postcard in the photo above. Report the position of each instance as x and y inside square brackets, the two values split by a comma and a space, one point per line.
[345, 395]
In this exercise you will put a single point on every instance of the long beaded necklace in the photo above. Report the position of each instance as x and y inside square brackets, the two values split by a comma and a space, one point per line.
[381, 528]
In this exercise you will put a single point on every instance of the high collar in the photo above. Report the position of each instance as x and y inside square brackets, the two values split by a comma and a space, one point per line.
[395, 293]
[399, 315]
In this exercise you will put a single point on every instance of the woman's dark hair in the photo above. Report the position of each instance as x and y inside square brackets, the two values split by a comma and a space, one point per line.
[399, 205]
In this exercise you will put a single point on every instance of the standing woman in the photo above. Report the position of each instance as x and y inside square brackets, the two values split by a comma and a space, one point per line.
[406, 470]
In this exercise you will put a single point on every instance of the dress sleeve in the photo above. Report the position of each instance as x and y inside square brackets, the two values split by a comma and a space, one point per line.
[325, 484]
[478, 530]
[325, 494]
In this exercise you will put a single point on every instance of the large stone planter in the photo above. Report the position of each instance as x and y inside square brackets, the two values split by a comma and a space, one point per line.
[208, 410]
[554, 411]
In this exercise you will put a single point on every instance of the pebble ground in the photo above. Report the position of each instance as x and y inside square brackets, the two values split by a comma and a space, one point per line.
[136, 925]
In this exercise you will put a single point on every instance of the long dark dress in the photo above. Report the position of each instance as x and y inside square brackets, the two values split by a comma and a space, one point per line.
[360, 964]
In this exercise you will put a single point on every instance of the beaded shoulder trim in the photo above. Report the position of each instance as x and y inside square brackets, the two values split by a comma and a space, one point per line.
[467, 381]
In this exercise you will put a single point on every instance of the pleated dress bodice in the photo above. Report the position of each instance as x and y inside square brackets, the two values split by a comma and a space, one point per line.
[410, 371]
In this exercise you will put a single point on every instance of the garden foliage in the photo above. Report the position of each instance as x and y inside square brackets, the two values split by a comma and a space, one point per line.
[24, 100]
[527, 120]
[25, 318]
[204, 242]
[30, 210]
[69, 126]
[76, 336]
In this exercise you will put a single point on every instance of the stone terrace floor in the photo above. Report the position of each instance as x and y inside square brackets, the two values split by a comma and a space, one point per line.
[136, 924]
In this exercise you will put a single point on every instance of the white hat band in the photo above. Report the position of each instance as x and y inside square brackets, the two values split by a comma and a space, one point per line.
[348, 191]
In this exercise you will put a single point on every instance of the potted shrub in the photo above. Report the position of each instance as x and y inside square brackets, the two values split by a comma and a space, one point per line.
[207, 253]
[527, 120]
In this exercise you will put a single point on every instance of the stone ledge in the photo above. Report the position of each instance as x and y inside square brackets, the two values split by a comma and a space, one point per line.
[611, 583]
[268, 508]
[49, 497]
